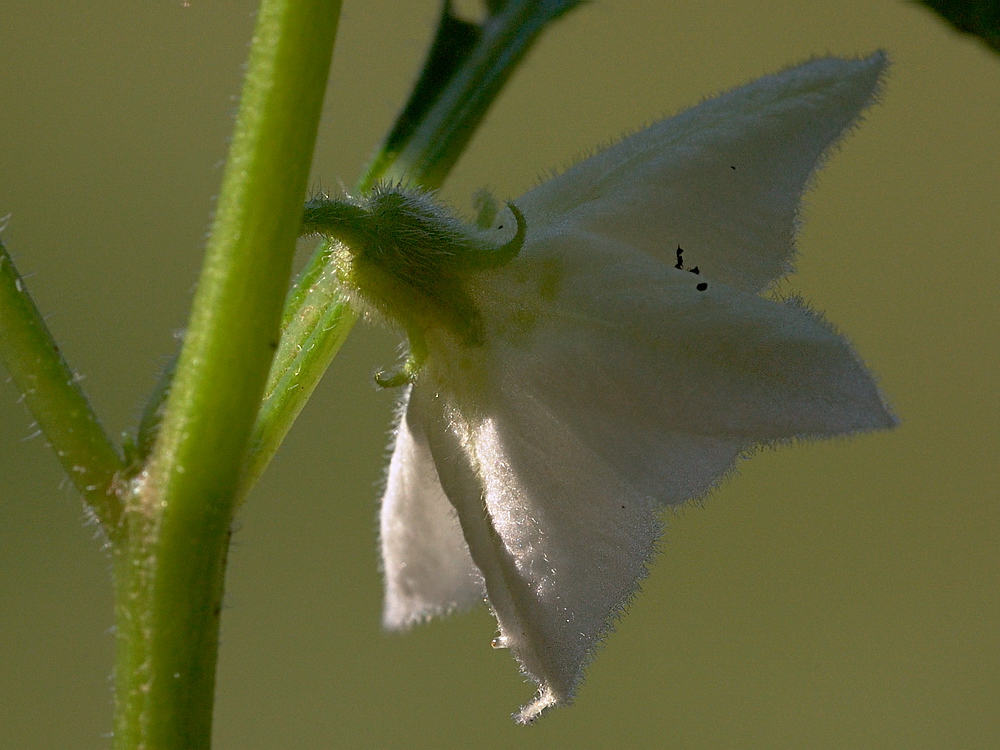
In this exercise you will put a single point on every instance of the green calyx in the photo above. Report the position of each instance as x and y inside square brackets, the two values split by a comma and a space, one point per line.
[408, 257]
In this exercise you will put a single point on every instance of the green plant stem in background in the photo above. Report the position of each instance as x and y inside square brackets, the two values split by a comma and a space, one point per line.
[169, 576]
[462, 76]
[52, 394]
[316, 323]
[465, 71]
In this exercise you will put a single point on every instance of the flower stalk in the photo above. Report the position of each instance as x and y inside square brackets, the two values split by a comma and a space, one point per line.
[170, 572]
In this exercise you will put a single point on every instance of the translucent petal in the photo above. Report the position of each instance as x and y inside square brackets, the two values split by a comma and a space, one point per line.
[561, 540]
[723, 179]
[609, 383]
[623, 387]
[630, 352]
[426, 563]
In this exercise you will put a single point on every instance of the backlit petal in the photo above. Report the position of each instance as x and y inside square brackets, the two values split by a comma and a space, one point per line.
[723, 179]
[604, 383]
[426, 563]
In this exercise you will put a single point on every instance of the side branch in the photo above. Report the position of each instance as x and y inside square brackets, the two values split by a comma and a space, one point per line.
[53, 395]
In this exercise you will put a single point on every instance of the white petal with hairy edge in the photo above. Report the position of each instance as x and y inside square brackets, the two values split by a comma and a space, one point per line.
[580, 532]
[609, 384]
[626, 389]
[723, 179]
[560, 535]
[426, 563]
[561, 540]
[627, 349]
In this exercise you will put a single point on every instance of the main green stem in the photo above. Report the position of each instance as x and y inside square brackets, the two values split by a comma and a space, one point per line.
[170, 571]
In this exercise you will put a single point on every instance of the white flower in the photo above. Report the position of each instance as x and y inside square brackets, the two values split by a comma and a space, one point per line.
[596, 381]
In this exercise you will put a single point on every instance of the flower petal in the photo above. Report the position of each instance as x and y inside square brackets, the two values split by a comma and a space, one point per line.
[631, 354]
[427, 567]
[723, 179]
[561, 540]
[607, 382]
[562, 537]
[624, 387]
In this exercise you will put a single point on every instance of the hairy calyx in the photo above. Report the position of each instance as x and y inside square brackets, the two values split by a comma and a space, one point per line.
[408, 257]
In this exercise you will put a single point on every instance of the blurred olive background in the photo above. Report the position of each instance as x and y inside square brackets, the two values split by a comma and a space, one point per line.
[836, 595]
